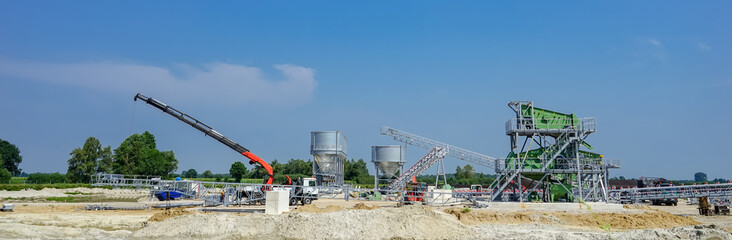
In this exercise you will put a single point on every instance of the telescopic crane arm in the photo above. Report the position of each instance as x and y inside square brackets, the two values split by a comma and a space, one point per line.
[209, 132]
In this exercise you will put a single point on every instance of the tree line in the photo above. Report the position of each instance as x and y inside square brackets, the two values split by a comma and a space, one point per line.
[136, 155]
[465, 175]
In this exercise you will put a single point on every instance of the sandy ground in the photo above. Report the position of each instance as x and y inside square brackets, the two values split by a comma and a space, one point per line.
[338, 219]
[683, 208]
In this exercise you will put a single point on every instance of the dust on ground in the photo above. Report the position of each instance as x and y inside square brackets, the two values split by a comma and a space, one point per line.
[169, 213]
[611, 221]
[332, 208]
[338, 219]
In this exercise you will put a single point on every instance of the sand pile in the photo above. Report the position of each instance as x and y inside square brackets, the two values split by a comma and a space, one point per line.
[332, 208]
[170, 213]
[310, 208]
[611, 221]
[408, 222]
[362, 206]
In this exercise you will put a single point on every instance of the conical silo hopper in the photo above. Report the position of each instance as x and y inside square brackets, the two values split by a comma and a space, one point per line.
[329, 152]
[388, 160]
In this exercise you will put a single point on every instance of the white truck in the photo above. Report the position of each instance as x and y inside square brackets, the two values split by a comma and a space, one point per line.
[301, 191]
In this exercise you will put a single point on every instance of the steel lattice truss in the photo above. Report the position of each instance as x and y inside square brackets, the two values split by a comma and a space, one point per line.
[426, 143]
[688, 191]
[437, 153]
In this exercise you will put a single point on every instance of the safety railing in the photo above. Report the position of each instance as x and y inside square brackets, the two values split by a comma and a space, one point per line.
[552, 125]
[534, 164]
[124, 181]
[688, 191]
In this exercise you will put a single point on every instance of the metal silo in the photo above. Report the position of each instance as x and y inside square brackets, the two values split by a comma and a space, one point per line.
[388, 160]
[329, 150]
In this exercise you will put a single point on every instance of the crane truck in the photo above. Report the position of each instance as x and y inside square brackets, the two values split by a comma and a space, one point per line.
[298, 192]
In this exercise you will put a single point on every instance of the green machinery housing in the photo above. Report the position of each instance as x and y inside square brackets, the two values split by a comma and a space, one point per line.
[546, 162]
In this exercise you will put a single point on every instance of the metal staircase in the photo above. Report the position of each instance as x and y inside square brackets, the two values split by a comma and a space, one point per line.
[511, 173]
[437, 154]
[561, 143]
[512, 170]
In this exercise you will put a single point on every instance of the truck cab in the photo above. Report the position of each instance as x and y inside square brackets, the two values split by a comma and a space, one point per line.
[303, 191]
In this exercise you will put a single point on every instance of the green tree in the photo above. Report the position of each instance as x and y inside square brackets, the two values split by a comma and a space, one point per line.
[40, 178]
[138, 155]
[277, 167]
[88, 160]
[10, 157]
[353, 170]
[5, 175]
[468, 172]
[257, 172]
[298, 166]
[700, 177]
[191, 173]
[459, 172]
[237, 171]
[207, 174]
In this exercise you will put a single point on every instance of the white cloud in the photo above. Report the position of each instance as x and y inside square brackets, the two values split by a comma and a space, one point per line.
[654, 42]
[704, 47]
[214, 82]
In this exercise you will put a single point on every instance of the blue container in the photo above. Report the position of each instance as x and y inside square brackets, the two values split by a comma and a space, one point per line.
[172, 194]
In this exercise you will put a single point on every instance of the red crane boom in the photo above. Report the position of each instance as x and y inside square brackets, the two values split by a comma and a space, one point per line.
[211, 133]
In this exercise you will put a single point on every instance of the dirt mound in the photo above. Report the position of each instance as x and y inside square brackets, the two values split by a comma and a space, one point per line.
[313, 209]
[641, 207]
[362, 206]
[157, 217]
[407, 223]
[607, 221]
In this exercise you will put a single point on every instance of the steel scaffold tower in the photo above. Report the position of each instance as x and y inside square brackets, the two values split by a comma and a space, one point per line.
[557, 170]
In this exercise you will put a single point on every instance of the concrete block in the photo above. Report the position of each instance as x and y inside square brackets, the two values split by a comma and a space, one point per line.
[277, 202]
[440, 196]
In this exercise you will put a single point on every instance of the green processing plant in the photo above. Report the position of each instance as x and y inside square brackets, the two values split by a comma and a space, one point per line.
[546, 162]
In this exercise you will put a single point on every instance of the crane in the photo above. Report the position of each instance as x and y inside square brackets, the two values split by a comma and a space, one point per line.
[211, 133]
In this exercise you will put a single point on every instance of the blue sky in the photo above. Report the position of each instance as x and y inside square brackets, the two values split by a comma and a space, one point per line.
[655, 74]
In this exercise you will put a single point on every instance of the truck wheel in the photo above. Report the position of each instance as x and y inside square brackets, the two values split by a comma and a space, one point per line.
[306, 201]
[293, 201]
[263, 202]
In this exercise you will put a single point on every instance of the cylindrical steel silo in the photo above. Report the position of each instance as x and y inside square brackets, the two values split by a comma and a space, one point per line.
[329, 150]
